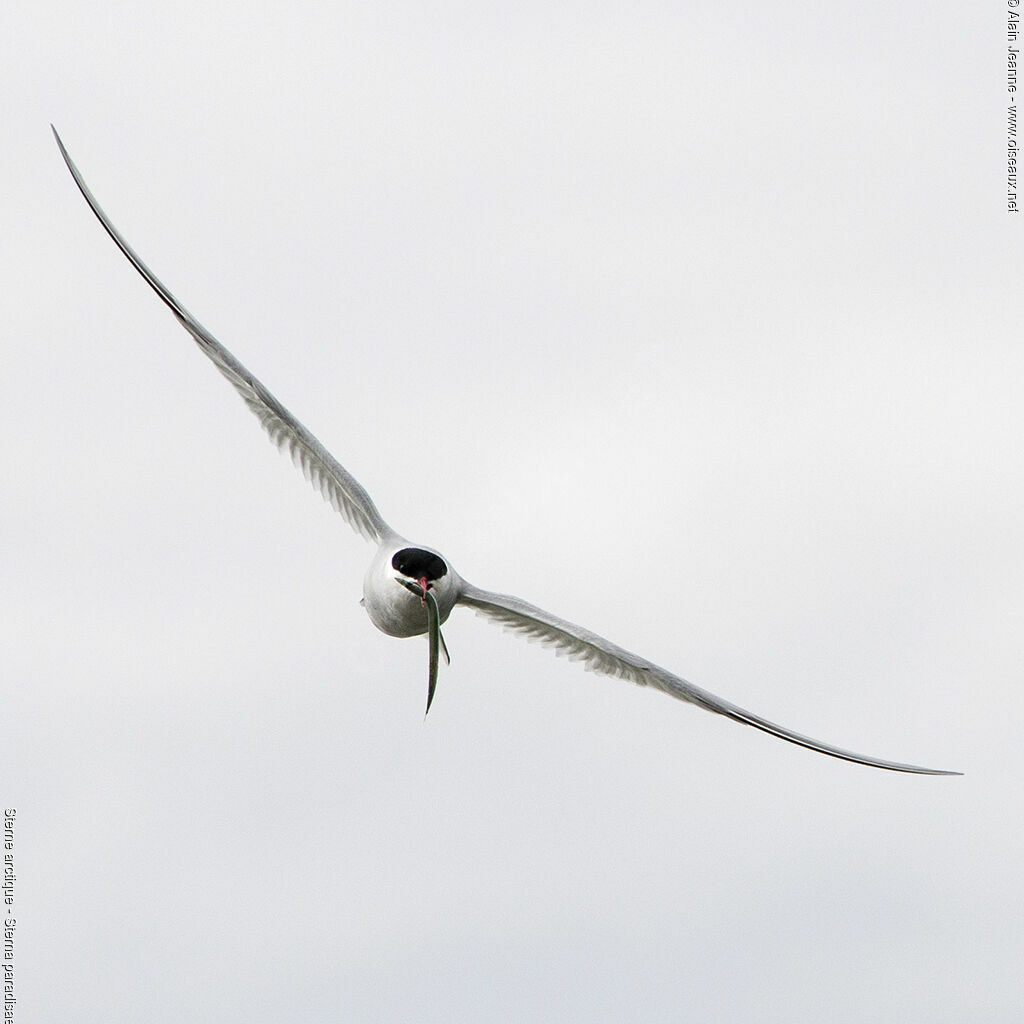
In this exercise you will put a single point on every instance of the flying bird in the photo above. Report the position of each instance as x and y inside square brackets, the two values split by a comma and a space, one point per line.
[410, 589]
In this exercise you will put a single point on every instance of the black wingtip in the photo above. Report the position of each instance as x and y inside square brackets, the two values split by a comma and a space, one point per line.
[748, 718]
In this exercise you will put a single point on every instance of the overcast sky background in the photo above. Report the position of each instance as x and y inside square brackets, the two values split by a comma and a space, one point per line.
[696, 324]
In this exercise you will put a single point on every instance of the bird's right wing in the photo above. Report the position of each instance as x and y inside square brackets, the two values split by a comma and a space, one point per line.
[602, 656]
[323, 471]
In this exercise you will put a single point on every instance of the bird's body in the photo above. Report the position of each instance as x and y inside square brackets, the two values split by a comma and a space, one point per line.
[394, 609]
[410, 589]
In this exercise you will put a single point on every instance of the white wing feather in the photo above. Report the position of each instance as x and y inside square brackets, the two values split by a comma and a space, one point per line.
[320, 468]
[602, 656]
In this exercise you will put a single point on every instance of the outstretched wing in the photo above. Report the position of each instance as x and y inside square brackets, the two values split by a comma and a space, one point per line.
[323, 471]
[602, 656]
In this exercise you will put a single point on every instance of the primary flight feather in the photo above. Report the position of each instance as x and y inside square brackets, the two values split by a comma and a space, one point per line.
[410, 589]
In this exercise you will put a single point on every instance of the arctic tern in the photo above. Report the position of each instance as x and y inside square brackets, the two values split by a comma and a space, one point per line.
[411, 589]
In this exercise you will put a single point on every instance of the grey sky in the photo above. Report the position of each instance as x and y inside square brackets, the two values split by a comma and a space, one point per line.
[713, 315]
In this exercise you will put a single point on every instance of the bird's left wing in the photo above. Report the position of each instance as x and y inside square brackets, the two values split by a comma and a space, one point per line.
[320, 468]
[602, 656]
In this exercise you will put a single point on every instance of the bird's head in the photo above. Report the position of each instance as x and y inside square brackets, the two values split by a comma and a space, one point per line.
[418, 570]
